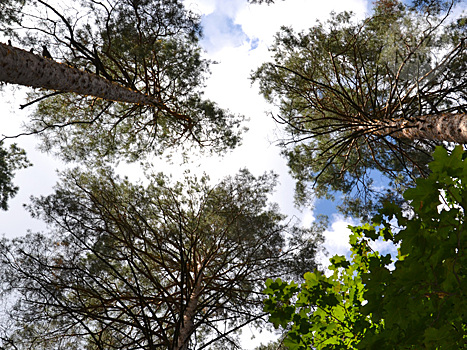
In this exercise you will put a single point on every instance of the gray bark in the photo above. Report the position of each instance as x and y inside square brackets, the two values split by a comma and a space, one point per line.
[25, 68]
[450, 127]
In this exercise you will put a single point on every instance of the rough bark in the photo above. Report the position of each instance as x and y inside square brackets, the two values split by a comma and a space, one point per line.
[25, 68]
[450, 127]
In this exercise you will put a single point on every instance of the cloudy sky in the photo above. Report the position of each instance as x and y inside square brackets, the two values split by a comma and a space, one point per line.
[237, 36]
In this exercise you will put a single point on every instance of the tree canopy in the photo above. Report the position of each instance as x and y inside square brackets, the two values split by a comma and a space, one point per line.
[164, 265]
[417, 301]
[148, 46]
[369, 97]
[181, 265]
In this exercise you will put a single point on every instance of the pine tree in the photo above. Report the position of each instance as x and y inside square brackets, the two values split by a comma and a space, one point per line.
[369, 97]
[146, 95]
[165, 265]
[25, 68]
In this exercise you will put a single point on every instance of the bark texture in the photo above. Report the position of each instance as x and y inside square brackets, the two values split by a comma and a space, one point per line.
[25, 68]
[188, 325]
[450, 127]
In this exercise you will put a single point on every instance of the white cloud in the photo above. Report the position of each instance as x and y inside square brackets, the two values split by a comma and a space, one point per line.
[261, 21]
[307, 218]
[237, 35]
[233, 22]
[229, 7]
[220, 31]
[384, 247]
[218, 20]
[336, 239]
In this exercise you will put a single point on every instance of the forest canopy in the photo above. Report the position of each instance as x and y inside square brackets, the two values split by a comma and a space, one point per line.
[361, 98]
[148, 46]
[179, 261]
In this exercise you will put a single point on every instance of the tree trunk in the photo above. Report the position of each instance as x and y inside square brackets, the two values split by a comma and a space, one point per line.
[25, 68]
[450, 127]
[188, 325]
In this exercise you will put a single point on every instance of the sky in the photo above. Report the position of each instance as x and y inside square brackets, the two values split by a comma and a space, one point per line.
[237, 36]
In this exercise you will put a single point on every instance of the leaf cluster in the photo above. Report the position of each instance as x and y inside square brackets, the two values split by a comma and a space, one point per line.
[414, 302]
[324, 311]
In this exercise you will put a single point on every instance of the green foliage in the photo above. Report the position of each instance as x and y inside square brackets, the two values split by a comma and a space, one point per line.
[324, 311]
[368, 303]
[340, 84]
[10, 12]
[11, 159]
[128, 266]
[149, 46]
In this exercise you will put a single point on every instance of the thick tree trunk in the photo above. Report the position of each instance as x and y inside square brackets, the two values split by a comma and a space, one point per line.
[188, 325]
[25, 68]
[448, 127]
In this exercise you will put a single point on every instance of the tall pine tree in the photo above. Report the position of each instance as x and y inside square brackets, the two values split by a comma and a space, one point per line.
[130, 79]
[360, 98]
[165, 265]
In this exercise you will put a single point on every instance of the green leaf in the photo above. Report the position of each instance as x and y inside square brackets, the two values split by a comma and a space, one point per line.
[339, 261]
